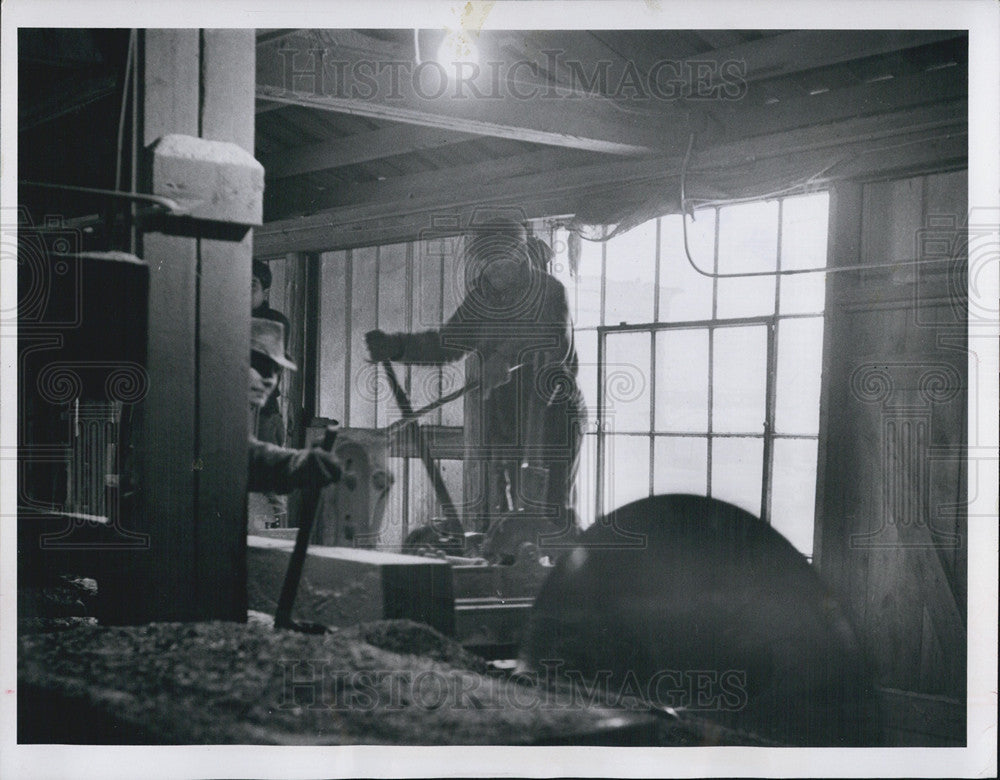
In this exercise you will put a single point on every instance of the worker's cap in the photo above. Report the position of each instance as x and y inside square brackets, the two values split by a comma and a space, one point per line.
[268, 338]
[496, 238]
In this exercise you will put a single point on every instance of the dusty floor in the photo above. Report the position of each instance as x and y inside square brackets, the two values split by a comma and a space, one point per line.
[387, 682]
[177, 683]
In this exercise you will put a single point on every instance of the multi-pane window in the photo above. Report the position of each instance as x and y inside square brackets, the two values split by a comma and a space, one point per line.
[704, 384]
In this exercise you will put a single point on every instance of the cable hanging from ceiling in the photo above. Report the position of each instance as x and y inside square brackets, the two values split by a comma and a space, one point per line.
[779, 272]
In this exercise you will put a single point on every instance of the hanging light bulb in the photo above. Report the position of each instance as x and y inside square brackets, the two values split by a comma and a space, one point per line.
[457, 50]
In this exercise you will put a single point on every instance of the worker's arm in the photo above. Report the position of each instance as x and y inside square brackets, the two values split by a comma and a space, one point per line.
[273, 469]
[423, 347]
[500, 340]
[464, 332]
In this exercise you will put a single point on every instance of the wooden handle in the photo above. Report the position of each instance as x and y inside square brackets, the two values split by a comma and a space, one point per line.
[423, 449]
[310, 499]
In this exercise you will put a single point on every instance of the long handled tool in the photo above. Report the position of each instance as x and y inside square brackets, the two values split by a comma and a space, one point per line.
[394, 429]
[283, 614]
[453, 523]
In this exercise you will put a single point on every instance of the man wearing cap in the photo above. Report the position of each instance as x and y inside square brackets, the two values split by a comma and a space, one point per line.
[515, 317]
[260, 287]
[273, 469]
[271, 421]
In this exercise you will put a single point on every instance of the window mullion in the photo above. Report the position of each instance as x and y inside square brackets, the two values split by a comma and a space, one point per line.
[601, 422]
[348, 307]
[767, 461]
[652, 356]
[652, 406]
[711, 358]
[601, 417]
[407, 481]
[768, 454]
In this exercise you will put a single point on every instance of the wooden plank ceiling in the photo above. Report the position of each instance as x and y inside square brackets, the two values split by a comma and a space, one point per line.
[366, 146]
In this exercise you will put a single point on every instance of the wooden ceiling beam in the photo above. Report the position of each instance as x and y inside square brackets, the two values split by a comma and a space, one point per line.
[392, 228]
[773, 55]
[794, 52]
[559, 123]
[898, 105]
[299, 234]
[363, 147]
[507, 100]
[339, 231]
[403, 191]
[387, 86]
[342, 228]
[857, 147]
[882, 97]
[947, 116]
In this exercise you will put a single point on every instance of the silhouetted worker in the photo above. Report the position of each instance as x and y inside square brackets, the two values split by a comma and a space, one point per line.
[515, 316]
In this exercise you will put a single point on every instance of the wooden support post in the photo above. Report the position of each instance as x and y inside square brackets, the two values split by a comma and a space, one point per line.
[227, 74]
[831, 551]
[191, 445]
[310, 368]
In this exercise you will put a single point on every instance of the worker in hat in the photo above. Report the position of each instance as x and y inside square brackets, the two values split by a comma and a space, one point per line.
[260, 288]
[274, 469]
[515, 318]
[269, 420]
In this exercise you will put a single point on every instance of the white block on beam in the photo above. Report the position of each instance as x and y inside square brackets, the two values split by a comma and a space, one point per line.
[211, 180]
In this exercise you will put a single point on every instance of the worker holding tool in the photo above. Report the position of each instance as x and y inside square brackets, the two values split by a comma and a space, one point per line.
[273, 468]
[515, 319]
[268, 509]
[279, 470]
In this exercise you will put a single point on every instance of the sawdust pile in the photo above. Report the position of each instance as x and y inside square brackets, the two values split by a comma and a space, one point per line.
[205, 683]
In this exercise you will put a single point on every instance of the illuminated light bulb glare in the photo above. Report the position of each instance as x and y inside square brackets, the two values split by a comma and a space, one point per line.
[457, 49]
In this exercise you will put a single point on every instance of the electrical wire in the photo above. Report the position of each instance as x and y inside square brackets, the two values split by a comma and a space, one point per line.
[168, 204]
[121, 115]
[780, 272]
[134, 148]
[416, 46]
[801, 187]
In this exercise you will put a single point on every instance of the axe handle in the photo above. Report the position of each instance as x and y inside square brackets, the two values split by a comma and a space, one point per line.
[397, 427]
[424, 450]
[394, 429]
[283, 613]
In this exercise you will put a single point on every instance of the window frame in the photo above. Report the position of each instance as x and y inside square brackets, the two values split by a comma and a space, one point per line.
[601, 430]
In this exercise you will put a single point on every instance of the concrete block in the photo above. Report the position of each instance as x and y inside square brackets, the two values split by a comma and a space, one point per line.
[343, 586]
[211, 180]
